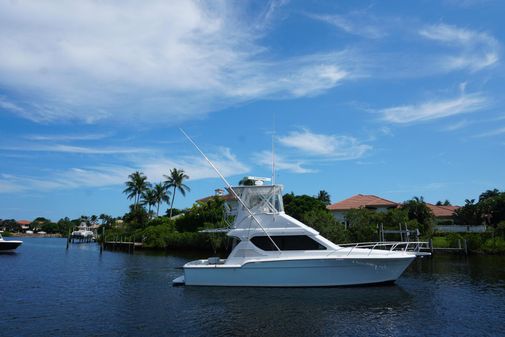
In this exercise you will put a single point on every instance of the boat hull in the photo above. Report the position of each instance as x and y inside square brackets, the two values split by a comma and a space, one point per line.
[300, 273]
[9, 246]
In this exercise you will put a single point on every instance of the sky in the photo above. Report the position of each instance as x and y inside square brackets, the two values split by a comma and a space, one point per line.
[392, 98]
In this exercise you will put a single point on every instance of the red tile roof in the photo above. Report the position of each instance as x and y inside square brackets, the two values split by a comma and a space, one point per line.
[24, 222]
[226, 197]
[361, 200]
[442, 211]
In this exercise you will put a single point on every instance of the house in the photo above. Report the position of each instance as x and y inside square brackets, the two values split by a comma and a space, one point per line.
[230, 200]
[368, 201]
[24, 225]
[443, 214]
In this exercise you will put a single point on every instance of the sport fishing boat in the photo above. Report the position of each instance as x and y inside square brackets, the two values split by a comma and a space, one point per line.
[83, 233]
[8, 246]
[276, 250]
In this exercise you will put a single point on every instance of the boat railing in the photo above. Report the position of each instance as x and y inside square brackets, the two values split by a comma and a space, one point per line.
[405, 246]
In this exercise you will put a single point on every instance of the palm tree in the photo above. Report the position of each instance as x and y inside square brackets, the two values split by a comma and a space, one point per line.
[149, 198]
[161, 195]
[324, 197]
[136, 186]
[176, 180]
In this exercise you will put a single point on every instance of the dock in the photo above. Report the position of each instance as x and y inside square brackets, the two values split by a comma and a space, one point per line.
[123, 246]
[462, 248]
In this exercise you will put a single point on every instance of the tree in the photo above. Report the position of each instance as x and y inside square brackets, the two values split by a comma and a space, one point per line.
[326, 224]
[176, 181]
[324, 197]
[489, 194]
[161, 195]
[105, 220]
[297, 205]
[149, 199]
[418, 210]
[362, 224]
[136, 218]
[202, 214]
[136, 186]
[393, 218]
[492, 207]
[444, 203]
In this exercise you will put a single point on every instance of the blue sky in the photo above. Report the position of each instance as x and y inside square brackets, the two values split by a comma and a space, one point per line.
[395, 98]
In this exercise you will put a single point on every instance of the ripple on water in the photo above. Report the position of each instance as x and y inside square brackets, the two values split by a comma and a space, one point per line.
[50, 291]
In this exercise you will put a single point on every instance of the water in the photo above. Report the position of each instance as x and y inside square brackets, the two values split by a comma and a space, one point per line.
[46, 290]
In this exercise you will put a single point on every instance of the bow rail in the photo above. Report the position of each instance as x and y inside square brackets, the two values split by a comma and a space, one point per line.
[405, 246]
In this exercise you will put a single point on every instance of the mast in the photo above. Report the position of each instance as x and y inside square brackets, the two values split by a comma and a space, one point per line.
[273, 152]
[231, 189]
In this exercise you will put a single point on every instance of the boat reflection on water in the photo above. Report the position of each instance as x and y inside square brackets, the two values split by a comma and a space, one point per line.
[298, 311]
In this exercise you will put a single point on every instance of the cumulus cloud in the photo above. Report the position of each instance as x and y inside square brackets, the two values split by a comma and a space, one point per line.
[434, 109]
[477, 50]
[196, 166]
[132, 61]
[329, 146]
[282, 163]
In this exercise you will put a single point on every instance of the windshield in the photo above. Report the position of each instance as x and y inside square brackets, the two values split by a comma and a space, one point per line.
[262, 199]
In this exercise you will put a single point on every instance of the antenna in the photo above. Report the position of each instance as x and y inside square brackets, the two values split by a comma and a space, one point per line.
[230, 188]
[273, 152]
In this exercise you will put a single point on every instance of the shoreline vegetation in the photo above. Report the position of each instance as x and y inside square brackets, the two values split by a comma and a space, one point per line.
[179, 229]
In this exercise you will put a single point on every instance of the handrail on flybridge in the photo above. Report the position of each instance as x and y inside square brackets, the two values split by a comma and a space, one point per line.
[230, 188]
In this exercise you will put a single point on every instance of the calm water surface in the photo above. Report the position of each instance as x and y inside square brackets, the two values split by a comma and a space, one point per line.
[48, 291]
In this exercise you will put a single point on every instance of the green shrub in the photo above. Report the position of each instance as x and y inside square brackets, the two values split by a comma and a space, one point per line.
[494, 246]
[440, 242]
[326, 224]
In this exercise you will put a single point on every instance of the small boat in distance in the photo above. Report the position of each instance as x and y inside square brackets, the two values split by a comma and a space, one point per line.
[83, 234]
[8, 246]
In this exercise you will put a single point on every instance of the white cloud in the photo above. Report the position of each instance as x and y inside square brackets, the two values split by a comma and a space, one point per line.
[478, 50]
[113, 175]
[356, 23]
[146, 62]
[457, 126]
[69, 137]
[196, 167]
[329, 146]
[62, 148]
[281, 163]
[434, 109]
[66, 179]
[495, 132]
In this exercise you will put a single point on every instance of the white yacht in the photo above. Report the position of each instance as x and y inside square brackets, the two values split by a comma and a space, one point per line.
[9, 246]
[83, 232]
[276, 250]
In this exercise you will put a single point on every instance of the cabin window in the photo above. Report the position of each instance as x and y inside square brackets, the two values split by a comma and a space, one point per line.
[288, 242]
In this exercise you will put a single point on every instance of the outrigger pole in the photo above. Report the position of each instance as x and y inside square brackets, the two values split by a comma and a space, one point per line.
[230, 188]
